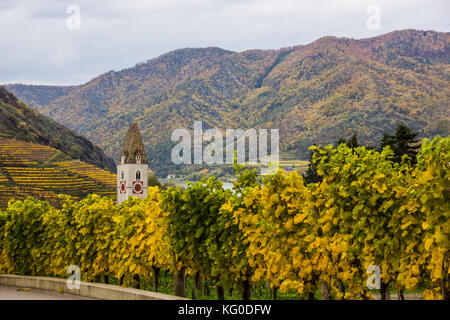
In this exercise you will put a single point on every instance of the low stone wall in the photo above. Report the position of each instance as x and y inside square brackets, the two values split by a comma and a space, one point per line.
[87, 289]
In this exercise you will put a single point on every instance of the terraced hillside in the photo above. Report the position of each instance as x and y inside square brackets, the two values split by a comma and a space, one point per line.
[13, 152]
[88, 170]
[29, 169]
[20, 122]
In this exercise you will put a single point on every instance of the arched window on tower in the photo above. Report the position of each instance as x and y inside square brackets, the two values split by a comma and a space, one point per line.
[138, 175]
[122, 175]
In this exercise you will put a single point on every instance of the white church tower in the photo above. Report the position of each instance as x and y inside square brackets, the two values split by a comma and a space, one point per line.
[132, 169]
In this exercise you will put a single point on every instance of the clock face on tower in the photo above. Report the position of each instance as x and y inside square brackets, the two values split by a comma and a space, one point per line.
[138, 188]
[123, 185]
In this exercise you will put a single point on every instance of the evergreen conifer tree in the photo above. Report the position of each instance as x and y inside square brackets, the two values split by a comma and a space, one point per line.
[311, 175]
[404, 141]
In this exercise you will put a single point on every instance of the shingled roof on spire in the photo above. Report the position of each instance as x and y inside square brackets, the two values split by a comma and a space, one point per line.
[133, 146]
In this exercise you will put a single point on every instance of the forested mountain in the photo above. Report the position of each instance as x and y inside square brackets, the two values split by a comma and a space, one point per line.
[313, 93]
[20, 122]
[40, 95]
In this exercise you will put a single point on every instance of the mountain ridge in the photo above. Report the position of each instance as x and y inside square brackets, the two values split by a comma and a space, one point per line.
[315, 93]
[19, 121]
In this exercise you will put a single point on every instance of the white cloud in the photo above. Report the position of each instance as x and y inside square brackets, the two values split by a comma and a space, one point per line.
[37, 47]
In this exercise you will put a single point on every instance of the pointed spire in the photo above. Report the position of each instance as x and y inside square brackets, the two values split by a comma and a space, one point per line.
[133, 148]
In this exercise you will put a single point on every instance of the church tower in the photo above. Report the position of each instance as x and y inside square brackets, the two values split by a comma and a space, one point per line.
[132, 168]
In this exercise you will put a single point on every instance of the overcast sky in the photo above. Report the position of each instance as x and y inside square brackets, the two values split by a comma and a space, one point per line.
[40, 41]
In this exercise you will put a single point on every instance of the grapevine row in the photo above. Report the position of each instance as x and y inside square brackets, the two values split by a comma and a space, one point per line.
[368, 211]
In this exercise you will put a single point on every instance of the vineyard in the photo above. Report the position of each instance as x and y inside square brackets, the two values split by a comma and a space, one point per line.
[28, 169]
[15, 152]
[89, 170]
[303, 241]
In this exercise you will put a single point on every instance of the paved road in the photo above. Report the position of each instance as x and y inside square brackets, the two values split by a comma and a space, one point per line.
[408, 296]
[16, 293]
